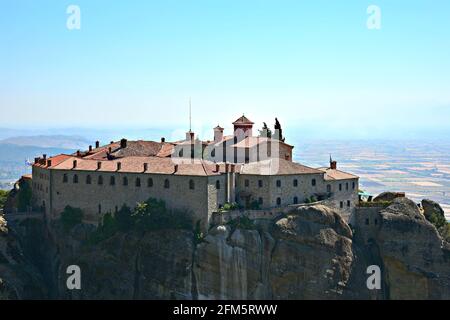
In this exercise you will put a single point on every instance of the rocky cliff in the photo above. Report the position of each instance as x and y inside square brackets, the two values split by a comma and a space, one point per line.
[311, 253]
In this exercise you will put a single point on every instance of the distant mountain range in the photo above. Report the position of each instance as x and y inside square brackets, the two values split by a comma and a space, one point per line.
[48, 141]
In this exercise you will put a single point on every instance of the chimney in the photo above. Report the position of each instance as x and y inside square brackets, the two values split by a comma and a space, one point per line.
[218, 133]
[90, 148]
[217, 167]
[78, 153]
[232, 167]
[175, 169]
[227, 167]
[190, 136]
[109, 150]
[333, 165]
[123, 143]
[49, 163]
[99, 165]
[145, 167]
[163, 139]
[44, 156]
[36, 160]
[97, 144]
[74, 164]
[119, 166]
[111, 142]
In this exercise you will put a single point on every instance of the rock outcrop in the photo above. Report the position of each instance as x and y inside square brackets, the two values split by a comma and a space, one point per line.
[310, 253]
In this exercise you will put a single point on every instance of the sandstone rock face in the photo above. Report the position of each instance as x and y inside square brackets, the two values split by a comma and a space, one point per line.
[307, 255]
[430, 207]
[416, 264]
[311, 253]
[389, 196]
[19, 279]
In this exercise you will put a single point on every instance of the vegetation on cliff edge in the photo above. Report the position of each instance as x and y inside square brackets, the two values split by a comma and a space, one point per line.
[3, 197]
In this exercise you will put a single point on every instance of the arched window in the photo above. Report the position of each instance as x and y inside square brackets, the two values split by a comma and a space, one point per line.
[191, 184]
[180, 153]
[138, 182]
[278, 201]
[278, 183]
[150, 182]
[328, 188]
[313, 182]
[65, 179]
[166, 184]
[100, 180]
[217, 184]
[213, 153]
[88, 179]
[125, 181]
[75, 178]
[295, 200]
[295, 183]
[112, 180]
[353, 185]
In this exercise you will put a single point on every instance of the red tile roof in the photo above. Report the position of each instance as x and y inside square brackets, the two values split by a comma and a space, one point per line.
[135, 164]
[334, 174]
[276, 167]
[242, 120]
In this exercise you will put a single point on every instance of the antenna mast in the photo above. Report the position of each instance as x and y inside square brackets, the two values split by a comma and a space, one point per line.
[190, 115]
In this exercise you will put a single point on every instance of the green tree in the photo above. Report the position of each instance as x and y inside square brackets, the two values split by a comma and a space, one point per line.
[3, 197]
[70, 217]
[124, 218]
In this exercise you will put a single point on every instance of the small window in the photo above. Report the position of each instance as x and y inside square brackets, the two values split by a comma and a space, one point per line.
[341, 204]
[260, 200]
[346, 186]
[213, 153]
[116, 209]
[376, 221]
[295, 183]
[348, 203]
[247, 183]
[138, 182]
[149, 182]
[65, 179]
[353, 185]
[112, 180]
[166, 184]
[328, 188]
[278, 201]
[278, 183]
[295, 200]
[217, 184]
[100, 180]
[367, 221]
[125, 181]
[260, 183]
[191, 184]
[99, 208]
[88, 179]
[340, 186]
[180, 153]
[313, 182]
[75, 178]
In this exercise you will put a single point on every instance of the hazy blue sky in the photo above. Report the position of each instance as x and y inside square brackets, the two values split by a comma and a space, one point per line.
[314, 64]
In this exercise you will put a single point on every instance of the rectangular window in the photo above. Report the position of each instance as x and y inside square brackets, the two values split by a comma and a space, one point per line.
[341, 204]
[340, 186]
[247, 183]
[348, 203]
[260, 183]
[278, 183]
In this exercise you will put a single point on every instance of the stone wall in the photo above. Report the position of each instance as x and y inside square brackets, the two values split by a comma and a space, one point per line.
[366, 222]
[96, 200]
